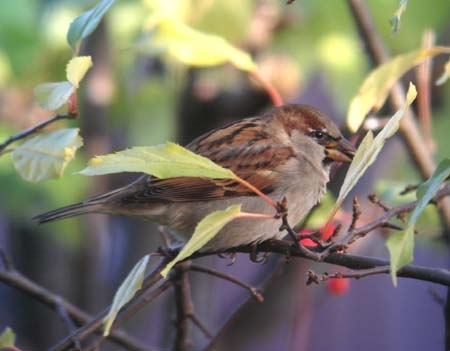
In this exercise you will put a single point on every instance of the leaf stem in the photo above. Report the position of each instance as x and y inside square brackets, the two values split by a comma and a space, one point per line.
[268, 87]
[257, 191]
[254, 215]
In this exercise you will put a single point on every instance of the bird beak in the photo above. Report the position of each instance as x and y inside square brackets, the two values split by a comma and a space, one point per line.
[340, 150]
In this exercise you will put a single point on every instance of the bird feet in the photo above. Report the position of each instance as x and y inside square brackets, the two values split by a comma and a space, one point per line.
[255, 257]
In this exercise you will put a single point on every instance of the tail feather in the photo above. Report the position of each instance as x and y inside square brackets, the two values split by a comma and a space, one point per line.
[66, 212]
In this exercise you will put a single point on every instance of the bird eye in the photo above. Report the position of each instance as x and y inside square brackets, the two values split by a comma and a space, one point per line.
[318, 134]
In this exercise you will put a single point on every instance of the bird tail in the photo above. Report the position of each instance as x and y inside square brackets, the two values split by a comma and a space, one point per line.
[67, 212]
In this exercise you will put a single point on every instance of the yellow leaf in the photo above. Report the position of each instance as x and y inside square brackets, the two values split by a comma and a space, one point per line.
[177, 10]
[370, 147]
[443, 78]
[129, 287]
[196, 48]
[77, 68]
[205, 230]
[374, 90]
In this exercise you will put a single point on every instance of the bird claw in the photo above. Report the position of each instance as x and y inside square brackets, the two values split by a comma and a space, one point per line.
[231, 255]
[254, 257]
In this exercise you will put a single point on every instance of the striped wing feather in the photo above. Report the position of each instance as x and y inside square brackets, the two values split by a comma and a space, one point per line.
[245, 147]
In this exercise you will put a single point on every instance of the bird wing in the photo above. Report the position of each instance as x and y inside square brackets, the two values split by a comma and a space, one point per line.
[245, 147]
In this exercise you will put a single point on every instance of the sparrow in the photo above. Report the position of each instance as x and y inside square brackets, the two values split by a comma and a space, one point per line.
[286, 153]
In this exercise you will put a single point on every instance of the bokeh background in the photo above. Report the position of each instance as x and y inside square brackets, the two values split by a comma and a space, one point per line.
[311, 52]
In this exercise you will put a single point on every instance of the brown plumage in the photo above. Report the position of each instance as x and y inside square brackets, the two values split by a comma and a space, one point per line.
[285, 152]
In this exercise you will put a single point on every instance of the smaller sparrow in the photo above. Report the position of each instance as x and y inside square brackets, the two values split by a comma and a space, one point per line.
[287, 152]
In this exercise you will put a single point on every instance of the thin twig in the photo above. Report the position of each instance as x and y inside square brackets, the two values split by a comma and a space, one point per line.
[184, 306]
[409, 188]
[59, 307]
[17, 280]
[356, 214]
[96, 323]
[408, 127]
[316, 278]
[251, 289]
[424, 92]
[134, 306]
[201, 326]
[25, 133]
[436, 275]
[373, 198]
[212, 345]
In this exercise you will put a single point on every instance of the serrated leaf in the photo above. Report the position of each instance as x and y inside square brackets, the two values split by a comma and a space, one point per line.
[374, 90]
[46, 155]
[205, 230]
[77, 68]
[395, 20]
[7, 338]
[401, 245]
[84, 25]
[129, 287]
[196, 48]
[52, 96]
[370, 147]
[163, 161]
[444, 76]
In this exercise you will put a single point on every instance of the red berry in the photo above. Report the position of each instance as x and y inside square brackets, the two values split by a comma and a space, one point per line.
[306, 242]
[338, 286]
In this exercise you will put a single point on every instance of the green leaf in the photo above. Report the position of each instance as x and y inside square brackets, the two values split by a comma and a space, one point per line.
[46, 155]
[84, 25]
[444, 77]
[427, 189]
[370, 147]
[196, 48]
[401, 245]
[395, 20]
[373, 92]
[52, 96]
[163, 161]
[129, 287]
[401, 249]
[7, 338]
[206, 229]
[77, 68]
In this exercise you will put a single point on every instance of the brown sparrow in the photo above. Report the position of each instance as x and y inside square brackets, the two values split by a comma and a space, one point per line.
[287, 152]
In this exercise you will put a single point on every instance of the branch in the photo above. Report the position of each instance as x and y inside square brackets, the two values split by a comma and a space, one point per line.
[252, 290]
[95, 324]
[138, 302]
[316, 278]
[16, 280]
[424, 92]
[408, 127]
[184, 306]
[435, 275]
[365, 266]
[25, 133]
[212, 345]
